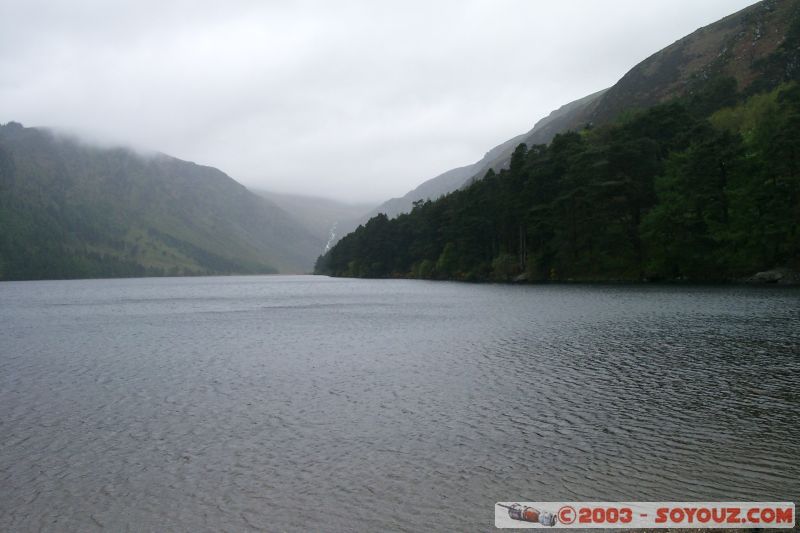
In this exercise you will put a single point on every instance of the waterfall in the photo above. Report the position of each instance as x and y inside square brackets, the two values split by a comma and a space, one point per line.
[331, 237]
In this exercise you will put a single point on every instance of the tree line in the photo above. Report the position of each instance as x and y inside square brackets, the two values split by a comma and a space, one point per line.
[702, 188]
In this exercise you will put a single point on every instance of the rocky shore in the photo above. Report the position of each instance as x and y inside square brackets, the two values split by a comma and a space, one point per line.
[782, 276]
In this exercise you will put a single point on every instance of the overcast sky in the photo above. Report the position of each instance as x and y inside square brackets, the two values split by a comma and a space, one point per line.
[355, 100]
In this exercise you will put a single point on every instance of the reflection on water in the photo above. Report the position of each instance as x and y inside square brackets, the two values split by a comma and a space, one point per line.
[307, 403]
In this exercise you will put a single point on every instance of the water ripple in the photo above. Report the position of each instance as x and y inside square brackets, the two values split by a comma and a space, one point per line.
[305, 403]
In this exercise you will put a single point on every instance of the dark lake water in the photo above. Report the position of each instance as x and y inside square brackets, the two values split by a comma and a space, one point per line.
[309, 404]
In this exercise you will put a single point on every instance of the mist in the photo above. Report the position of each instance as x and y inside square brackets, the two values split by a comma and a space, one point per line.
[357, 101]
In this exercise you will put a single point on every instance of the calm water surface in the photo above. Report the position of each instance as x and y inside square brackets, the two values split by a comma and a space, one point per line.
[307, 403]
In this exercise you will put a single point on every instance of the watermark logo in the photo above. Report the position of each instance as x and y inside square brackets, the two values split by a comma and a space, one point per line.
[526, 513]
[635, 515]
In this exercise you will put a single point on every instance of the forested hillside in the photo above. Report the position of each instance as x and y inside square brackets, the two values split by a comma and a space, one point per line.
[71, 210]
[756, 46]
[705, 187]
[685, 169]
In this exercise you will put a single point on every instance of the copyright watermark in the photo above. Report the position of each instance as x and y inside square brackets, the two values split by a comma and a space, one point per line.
[635, 515]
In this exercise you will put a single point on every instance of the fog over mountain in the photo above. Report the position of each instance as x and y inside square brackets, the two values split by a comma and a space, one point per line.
[72, 210]
[358, 101]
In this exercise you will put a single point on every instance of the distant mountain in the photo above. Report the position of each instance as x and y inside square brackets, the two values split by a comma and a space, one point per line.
[496, 158]
[741, 47]
[320, 216]
[72, 210]
[542, 132]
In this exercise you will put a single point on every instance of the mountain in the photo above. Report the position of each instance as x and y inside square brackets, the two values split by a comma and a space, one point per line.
[755, 47]
[542, 132]
[319, 216]
[741, 47]
[496, 158]
[72, 210]
[687, 168]
[750, 47]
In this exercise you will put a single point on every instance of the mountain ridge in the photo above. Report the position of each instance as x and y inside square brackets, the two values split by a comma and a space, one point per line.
[685, 169]
[71, 209]
[456, 178]
[732, 46]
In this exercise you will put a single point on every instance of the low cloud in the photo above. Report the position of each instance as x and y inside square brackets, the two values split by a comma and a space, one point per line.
[352, 100]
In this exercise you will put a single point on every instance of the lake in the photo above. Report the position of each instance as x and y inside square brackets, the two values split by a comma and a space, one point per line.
[304, 403]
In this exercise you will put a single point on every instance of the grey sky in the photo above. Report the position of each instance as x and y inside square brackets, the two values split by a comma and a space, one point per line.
[356, 100]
